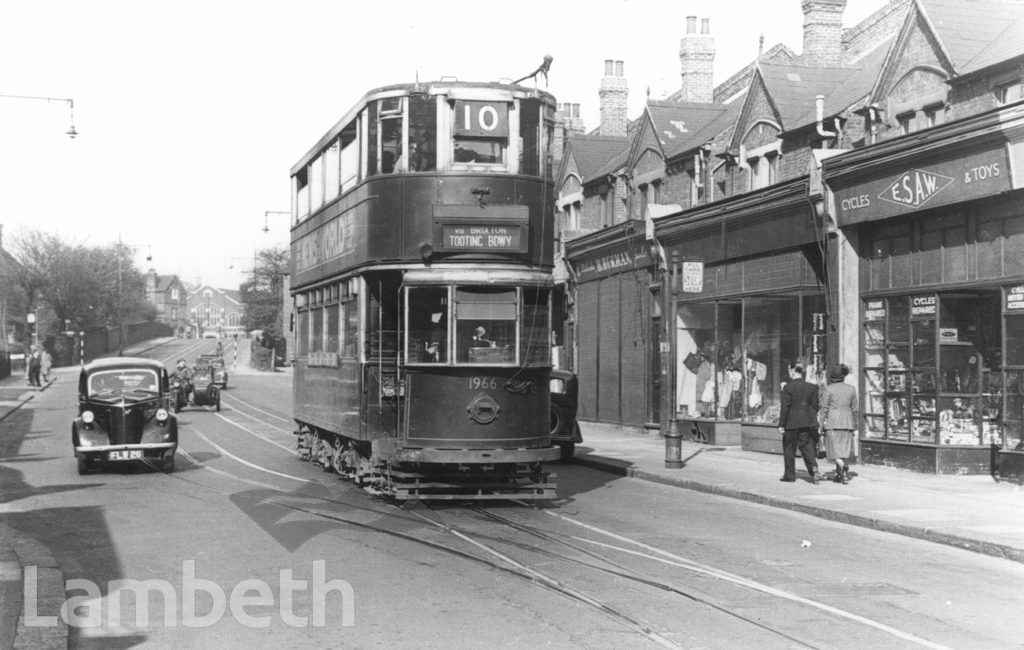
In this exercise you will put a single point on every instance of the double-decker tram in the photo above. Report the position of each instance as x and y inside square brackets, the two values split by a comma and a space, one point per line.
[421, 280]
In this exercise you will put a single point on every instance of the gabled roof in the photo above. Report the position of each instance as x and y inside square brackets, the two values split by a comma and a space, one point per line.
[1008, 45]
[592, 153]
[683, 126]
[164, 282]
[792, 89]
[855, 87]
[231, 294]
[966, 28]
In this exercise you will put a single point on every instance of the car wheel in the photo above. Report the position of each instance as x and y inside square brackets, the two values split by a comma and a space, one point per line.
[557, 418]
[168, 465]
[568, 449]
[83, 465]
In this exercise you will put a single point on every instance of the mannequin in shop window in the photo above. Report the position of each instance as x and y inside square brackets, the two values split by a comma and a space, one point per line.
[730, 383]
[706, 381]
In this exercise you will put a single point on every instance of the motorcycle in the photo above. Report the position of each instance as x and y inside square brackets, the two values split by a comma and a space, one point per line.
[179, 394]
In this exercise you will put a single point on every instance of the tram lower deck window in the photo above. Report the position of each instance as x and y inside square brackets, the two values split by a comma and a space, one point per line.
[485, 325]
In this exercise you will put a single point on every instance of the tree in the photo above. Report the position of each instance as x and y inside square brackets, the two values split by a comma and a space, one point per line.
[88, 286]
[261, 294]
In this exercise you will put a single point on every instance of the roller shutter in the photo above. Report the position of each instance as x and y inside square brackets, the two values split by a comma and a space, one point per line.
[588, 345]
[633, 344]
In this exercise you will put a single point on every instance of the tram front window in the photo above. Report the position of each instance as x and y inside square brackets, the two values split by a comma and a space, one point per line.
[428, 325]
[485, 325]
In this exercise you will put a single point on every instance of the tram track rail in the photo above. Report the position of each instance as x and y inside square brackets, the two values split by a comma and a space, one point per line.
[497, 551]
[491, 551]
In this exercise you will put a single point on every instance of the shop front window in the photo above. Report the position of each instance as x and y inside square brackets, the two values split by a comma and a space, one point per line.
[771, 328]
[734, 355]
[933, 369]
[1013, 383]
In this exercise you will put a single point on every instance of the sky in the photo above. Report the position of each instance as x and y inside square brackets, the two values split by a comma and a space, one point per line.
[190, 113]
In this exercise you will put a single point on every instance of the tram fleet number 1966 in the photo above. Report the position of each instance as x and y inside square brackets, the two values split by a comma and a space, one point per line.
[485, 383]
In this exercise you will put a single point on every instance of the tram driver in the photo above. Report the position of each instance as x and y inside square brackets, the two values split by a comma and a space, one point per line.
[434, 345]
[480, 339]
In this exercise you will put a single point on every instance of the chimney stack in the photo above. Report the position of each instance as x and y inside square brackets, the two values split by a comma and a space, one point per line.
[567, 124]
[823, 32]
[613, 93]
[697, 59]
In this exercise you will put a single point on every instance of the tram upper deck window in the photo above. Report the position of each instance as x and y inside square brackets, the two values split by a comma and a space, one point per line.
[485, 324]
[530, 138]
[422, 133]
[390, 114]
[480, 132]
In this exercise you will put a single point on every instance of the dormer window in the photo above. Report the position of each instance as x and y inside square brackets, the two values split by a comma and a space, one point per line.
[1008, 93]
[764, 169]
[907, 123]
[934, 115]
[760, 153]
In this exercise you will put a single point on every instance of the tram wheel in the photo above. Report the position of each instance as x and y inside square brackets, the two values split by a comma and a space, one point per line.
[337, 457]
[323, 454]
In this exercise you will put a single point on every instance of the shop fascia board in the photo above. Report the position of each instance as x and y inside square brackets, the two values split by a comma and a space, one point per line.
[600, 239]
[788, 196]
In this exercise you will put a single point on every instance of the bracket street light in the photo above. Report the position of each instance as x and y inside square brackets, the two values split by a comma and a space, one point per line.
[71, 132]
[266, 215]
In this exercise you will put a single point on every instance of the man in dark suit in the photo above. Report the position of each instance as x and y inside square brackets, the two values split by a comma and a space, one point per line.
[798, 422]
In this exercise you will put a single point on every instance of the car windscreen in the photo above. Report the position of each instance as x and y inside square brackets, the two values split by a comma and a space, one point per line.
[123, 380]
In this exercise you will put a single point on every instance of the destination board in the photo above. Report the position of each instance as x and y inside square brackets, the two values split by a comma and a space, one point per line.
[482, 237]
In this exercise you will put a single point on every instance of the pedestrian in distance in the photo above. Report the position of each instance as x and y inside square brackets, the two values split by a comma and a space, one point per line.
[839, 413]
[798, 423]
[35, 364]
[47, 363]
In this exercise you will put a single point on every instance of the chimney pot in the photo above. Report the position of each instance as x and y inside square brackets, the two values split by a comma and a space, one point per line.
[618, 69]
[691, 24]
[608, 70]
[705, 26]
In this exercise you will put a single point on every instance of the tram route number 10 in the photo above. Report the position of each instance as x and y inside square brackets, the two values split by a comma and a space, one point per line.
[484, 383]
[481, 118]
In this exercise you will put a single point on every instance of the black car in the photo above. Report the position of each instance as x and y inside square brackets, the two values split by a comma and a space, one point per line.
[565, 430]
[123, 414]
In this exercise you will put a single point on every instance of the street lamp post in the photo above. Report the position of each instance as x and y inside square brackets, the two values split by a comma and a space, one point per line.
[266, 216]
[71, 132]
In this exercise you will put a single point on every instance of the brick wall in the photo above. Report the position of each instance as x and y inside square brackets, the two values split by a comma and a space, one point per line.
[823, 31]
[696, 59]
[614, 94]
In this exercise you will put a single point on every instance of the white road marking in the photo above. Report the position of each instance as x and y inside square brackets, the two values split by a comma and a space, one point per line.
[227, 453]
[729, 577]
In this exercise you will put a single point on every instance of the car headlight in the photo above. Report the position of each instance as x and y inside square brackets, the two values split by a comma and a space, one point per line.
[557, 386]
[161, 415]
[88, 417]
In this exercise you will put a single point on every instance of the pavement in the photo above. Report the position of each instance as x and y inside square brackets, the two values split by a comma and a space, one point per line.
[974, 513]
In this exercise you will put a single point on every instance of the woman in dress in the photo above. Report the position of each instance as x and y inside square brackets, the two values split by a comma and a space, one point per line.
[839, 413]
